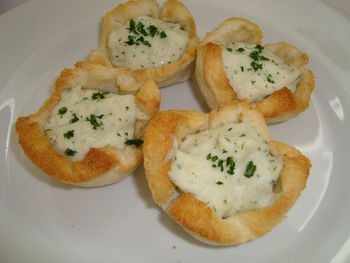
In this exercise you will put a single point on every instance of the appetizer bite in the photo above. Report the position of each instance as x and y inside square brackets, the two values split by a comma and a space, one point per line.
[148, 41]
[219, 175]
[233, 65]
[89, 132]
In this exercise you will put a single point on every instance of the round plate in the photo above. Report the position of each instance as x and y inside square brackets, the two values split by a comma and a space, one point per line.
[42, 220]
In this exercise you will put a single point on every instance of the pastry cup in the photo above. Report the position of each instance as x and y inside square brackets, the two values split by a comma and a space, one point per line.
[171, 11]
[216, 88]
[100, 166]
[195, 216]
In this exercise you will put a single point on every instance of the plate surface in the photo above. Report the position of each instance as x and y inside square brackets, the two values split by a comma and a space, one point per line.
[42, 220]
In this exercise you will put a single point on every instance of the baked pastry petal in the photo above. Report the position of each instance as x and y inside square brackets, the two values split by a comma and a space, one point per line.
[100, 166]
[171, 11]
[216, 88]
[197, 217]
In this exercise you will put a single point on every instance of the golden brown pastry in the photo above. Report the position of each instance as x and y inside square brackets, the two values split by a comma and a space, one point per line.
[232, 65]
[219, 176]
[89, 132]
[148, 41]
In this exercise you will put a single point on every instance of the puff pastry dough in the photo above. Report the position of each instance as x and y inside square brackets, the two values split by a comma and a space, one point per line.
[100, 166]
[171, 11]
[216, 88]
[195, 216]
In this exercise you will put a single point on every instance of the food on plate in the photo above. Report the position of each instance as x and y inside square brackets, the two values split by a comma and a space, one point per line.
[90, 131]
[148, 41]
[233, 65]
[219, 175]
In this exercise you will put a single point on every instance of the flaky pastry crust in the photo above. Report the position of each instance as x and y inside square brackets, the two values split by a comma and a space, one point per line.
[171, 11]
[100, 166]
[195, 216]
[216, 88]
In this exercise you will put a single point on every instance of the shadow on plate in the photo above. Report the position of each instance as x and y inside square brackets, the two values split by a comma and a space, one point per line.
[139, 179]
[197, 94]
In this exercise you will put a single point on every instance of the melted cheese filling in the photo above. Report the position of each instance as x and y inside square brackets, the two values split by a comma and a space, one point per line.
[229, 167]
[146, 42]
[85, 119]
[255, 72]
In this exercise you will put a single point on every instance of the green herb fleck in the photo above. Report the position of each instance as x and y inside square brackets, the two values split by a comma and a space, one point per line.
[229, 49]
[214, 158]
[132, 26]
[219, 183]
[75, 118]
[94, 122]
[70, 152]
[269, 78]
[62, 111]
[256, 66]
[153, 30]
[240, 50]
[250, 169]
[136, 142]
[69, 134]
[162, 34]
[99, 95]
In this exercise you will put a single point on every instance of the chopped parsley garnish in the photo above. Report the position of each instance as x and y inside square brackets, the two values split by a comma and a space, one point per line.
[141, 29]
[127, 108]
[253, 82]
[143, 41]
[269, 78]
[231, 165]
[214, 158]
[69, 134]
[209, 156]
[153, 30]
[256, 56]
[229, 49]
[99, 95]
[136, 142]
[256, 66]
[70, 152]
[242, 68]
[137, 32]
[219, 183]
[75, 118]
[94, 122]
[250, 169]
[132, 26]
[240, 50]
[131, 40]
[228, 164]
[62, 111]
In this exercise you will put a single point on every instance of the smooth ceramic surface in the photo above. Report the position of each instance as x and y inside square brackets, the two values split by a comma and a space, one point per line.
[42, 220]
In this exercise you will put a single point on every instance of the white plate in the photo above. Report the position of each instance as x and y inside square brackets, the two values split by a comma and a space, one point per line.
[42, 220]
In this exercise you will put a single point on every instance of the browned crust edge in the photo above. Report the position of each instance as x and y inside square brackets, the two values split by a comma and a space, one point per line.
[172, 10]
[214, 84]
[98, 161]
[193, 215]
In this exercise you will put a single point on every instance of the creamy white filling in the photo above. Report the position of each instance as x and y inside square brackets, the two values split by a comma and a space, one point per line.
[85, 119]
[229, 167]
[146, 42]
[255, 72]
